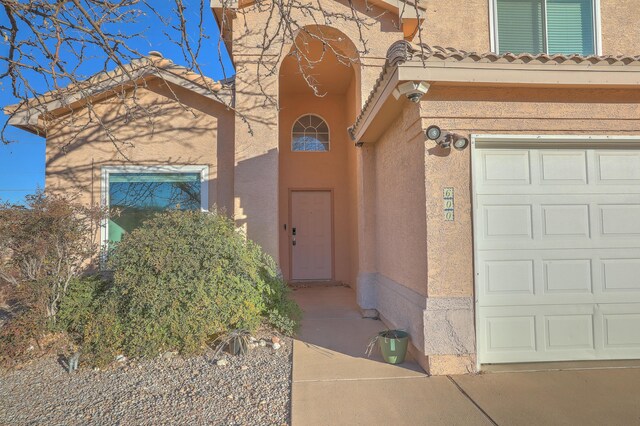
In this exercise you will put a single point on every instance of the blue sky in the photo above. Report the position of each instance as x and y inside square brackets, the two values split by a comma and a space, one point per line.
[22, 162]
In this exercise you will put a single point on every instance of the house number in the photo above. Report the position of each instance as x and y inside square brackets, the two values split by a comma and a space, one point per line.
[447, 197]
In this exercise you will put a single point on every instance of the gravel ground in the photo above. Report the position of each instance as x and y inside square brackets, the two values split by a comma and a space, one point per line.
[254, 389]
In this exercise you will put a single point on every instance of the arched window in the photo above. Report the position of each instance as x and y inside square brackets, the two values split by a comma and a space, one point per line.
[310, 133]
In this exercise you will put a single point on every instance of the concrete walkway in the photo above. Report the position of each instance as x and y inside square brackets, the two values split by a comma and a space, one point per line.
[334, 383]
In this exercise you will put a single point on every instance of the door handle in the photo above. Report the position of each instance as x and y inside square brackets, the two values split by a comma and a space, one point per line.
[293, 234]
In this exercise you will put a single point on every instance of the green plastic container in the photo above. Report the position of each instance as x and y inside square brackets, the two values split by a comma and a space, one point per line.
[393, 345]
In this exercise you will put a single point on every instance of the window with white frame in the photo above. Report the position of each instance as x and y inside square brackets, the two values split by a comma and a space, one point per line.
[134, 194]
[545, 26]
[310, 133]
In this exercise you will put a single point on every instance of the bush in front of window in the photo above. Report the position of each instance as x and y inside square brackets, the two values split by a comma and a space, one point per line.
[180, 281]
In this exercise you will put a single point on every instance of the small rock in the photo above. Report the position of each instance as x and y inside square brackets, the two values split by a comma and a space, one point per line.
[262, 343]
[252, 345]
[222, 362]
[121, 358]
[252, 339]
[169, 355]
[276, 346]
[244, 367]
[230, 396]
[96, 369]
[275, 339]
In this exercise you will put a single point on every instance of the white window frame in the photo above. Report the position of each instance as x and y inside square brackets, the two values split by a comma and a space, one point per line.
[328, 132]
[107, 170]
[493, 27]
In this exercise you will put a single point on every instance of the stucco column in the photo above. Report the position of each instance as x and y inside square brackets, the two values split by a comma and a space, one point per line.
[366, 285]
[449, 328]
[256, 158]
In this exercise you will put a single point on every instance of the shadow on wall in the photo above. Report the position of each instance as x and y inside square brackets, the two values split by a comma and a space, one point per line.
[148, 127]
[250, 208]
[155, 129]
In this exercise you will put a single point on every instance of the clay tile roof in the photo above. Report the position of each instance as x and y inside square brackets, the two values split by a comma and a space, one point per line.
[26, 114]
[403, 51]
[406, 51]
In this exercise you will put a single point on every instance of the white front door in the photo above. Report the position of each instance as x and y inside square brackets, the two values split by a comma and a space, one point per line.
[557, 238]
[310, 235]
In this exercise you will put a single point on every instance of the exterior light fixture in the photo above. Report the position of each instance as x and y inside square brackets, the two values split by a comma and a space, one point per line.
[433, 133]
[460, 142]
[446, 139]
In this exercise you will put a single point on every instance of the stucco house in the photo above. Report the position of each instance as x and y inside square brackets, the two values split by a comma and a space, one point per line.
[509, 233]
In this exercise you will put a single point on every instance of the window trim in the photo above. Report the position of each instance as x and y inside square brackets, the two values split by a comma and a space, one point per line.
[328, 132]
[493, 27]
[158, 169]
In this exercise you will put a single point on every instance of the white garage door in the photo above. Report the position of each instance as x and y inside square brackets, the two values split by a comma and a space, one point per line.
[557, 239]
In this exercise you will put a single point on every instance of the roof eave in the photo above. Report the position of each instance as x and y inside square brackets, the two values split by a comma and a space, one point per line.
[411, 12]
[382, 107]
[30, 118]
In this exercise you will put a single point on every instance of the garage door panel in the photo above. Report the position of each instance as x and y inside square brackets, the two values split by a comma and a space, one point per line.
[622, 331]
[617, 167]
[510, 331]
[620, 220]
[580, 275]
[504, 221]
[563, 220]
[621, 275]
[566, 332]
[509, 277]
[567, 276]
[563, 167]
[505, 167]
[557, 254]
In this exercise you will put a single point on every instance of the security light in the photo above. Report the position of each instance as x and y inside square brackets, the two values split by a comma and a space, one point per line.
[460, 142]
[446, 139]
[433, 132]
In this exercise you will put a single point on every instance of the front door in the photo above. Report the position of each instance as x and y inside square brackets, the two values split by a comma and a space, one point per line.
[310, 235]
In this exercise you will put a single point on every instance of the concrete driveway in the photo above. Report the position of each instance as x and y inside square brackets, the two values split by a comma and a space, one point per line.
[334, 383]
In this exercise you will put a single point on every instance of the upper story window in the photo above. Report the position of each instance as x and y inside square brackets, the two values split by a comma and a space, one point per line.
[545, 26]
[310, 133]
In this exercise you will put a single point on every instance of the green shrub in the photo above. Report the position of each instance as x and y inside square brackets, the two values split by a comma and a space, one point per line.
[103, 337]
[181, 280]
[80, 303]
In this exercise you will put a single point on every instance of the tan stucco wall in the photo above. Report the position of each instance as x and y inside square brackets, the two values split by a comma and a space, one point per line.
[256, 104]
[401, 226]
[620, 34]
[198, 132]
[318, 170]
[352, 182]
[464, 24]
